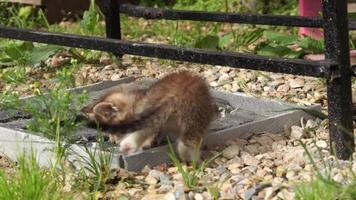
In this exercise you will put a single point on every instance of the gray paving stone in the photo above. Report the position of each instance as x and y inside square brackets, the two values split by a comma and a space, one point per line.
[250, 115]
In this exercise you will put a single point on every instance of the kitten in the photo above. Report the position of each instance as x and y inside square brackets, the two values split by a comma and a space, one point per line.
[178, 104]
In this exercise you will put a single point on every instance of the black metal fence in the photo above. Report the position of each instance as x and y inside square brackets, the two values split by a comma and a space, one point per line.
[335, 68]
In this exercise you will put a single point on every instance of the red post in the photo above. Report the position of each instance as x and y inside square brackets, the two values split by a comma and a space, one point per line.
[310, 8]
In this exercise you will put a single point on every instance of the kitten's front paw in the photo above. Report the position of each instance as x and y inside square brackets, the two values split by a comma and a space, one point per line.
[126, 148]
[128, 145]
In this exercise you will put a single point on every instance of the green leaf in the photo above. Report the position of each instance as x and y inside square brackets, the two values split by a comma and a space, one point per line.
[208, 42]
[225, 40]
[90, 18]
[311, 45]
[281, 38]
[123, 198]
[247, 38]
[13, 52]
[42, 53]
[274, 51]
[25, 12]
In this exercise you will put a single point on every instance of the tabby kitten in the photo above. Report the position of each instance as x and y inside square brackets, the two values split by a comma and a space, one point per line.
[178, 104]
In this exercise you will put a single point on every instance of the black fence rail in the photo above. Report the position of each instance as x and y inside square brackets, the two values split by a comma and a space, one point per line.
[335, 68]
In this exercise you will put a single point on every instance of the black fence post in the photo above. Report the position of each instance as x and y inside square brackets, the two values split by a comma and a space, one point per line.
[112, 20]
[339, 82]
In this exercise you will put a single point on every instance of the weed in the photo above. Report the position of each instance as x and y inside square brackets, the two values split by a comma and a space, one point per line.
[15, 75]
[14, 52]
[90, 24]
[29, 182]
[9, 100]
[246, 38]
[215, 188]
[191, 176]
[276, 45]
[95, 170]
[20, 53]
[47, 108]
[323, 186]
[22, 16]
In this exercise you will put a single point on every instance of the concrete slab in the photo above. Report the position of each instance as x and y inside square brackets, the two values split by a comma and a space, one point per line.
[245, 116]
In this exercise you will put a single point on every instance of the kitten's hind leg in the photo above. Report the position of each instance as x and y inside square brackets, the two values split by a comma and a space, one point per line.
[188, 150]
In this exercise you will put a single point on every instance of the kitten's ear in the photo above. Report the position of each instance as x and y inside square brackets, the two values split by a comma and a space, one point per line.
[105, 109]
[87, 111]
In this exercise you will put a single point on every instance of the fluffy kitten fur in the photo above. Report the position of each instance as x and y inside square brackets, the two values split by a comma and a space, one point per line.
[178, 104]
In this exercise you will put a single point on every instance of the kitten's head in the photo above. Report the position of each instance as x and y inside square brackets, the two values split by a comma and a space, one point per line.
[112, 109]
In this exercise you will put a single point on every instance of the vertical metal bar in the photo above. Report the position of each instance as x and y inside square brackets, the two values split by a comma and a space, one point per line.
[112, 20]
[339, 83]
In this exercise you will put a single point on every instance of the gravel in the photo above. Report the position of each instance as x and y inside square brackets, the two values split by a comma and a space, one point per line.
[265, 166]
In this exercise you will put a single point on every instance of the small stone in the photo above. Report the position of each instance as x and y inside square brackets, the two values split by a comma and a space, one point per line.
[191, 195]
[151, 180]
[294, 155]
[198, 196]
[179, 193]
[264, 140]
[277, 181]
[291, 175]
[250, 76]
[296, 83]
[321, 144]
[115, 77]
[311, 124]
[133, 70]
[227, 87]
[241, 142]
[146, 169]
[108, 67]
[169, 196]
[172, 170]
[280, 171]
[252, 148]
[283, 88]
[152, 197]
[267, 89]
[165, 179]
[224, 77]
[221, 169]
[276, 83]
[285, 194]
[251, 169]
[235, 167]
[231, 151]
[47, 75]
[225, 70]
[155, 173]
[296, 132]
[210, 76]
[105, 60]
[261, 172]
[165, 188]
[214, 84]
[249, 160]
[308, 86]
[207, 195]
[278, 144]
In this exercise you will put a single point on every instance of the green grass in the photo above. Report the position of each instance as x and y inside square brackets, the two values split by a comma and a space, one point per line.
[191, 176]
[95, 167]
[30, 182]
[326, 189]
[323, 186]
